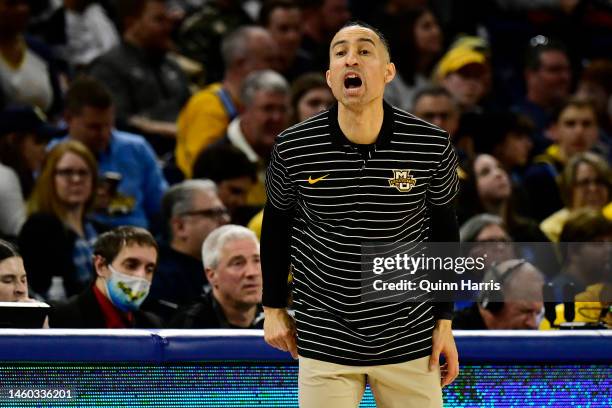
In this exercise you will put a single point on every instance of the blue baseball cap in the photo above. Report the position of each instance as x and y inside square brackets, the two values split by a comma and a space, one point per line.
[27, 119]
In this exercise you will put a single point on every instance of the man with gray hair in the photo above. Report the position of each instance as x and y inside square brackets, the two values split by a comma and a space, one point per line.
[191, 211]
[232, 266]
[516, 303]
[205, 118]
[265, 95]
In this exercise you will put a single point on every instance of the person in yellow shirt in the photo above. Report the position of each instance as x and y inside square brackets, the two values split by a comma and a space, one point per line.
[208, 113]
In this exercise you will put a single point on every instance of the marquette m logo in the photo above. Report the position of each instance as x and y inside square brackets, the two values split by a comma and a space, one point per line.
[402, 180]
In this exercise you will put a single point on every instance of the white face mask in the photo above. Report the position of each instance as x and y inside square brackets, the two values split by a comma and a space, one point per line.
[126, 292]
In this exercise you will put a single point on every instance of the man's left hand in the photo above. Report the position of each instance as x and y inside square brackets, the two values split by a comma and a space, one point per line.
[444, 343]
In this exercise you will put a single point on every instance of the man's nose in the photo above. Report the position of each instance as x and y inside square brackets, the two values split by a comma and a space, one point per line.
[351, 58]
[253, 270]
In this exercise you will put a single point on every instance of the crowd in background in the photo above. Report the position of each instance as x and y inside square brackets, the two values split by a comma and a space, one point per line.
[162, 115]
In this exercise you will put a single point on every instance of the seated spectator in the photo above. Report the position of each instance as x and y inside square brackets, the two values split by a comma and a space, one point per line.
[233, 182]
[56, 239]
[596, 85]
[586, 257]
[283, 20]
[205, 118]
[13, 279]
[586, 183]
[548, 79]
[518, 305]
[310, 95]
[436, 105]
[191, 211]
[28, 72]
[575, 131]
[462, 71]
[149, 88]
[266, 113]
[78, 31]
[507, 136]
[416, 42]
[124, 260]
[132, 182]
[490, 237]
[233, 269]
[487, 189]
[24, 134]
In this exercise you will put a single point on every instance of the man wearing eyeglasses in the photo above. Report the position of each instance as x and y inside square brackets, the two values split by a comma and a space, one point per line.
[191, 210]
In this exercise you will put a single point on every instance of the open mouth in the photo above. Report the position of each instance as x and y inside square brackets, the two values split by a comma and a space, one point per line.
[352, 81]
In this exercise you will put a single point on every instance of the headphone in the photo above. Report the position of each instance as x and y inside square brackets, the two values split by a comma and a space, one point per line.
[493, 300]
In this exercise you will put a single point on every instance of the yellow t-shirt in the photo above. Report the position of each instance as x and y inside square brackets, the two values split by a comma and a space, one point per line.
[202, 122]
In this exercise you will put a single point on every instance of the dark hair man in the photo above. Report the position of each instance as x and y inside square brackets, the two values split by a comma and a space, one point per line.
[333, 183]
[132, 184]
[148, 87]
[125, 259]
[575, 130]
[548, 78]
[191, 210]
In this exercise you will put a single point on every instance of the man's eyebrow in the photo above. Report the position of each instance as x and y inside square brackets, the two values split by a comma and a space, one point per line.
[362, 39]
[236, 258]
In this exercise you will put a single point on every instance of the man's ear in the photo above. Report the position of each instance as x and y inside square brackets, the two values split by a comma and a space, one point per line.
[210, 276]
[390, 72]
[101, 267]
[327, 75]
[177, 224]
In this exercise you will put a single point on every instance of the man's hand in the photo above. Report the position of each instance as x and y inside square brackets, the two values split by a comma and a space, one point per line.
[279, 330]
[444, 343]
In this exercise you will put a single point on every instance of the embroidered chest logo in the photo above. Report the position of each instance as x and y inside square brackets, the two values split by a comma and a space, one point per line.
[402, 180]
[313, 181]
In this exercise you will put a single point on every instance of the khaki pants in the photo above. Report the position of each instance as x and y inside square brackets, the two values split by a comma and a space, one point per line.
[404, 385]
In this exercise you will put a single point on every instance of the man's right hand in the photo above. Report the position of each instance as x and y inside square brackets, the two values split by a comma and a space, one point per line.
[279, 330]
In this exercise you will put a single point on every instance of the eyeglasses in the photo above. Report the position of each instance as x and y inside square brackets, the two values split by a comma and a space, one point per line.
[71, 173]
[216, 213]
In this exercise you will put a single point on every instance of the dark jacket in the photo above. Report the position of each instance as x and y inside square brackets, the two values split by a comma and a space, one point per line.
[469, 319]
[178, 281]
[84, 312]
[207, 313]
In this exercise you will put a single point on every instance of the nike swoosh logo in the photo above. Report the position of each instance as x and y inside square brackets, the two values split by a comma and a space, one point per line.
[313, 181]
